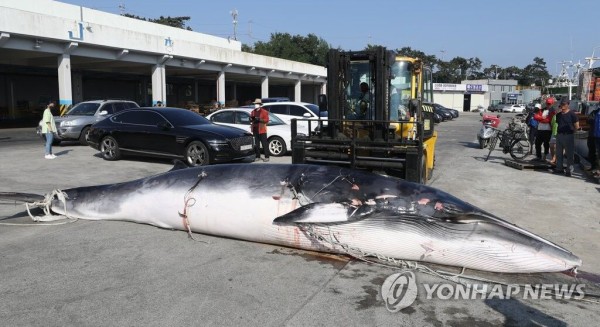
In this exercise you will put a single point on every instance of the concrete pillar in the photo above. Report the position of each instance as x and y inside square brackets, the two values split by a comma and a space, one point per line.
[323, 88]
[77, 87]
[298, 91]
[234, 95]
[159, 85]
[264, 87]
[65, 96]
[221, 87]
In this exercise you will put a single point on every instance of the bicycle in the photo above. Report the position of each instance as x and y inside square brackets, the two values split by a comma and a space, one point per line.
[513, 140]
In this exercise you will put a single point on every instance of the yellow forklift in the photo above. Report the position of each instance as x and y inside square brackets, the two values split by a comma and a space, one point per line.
[379, 116]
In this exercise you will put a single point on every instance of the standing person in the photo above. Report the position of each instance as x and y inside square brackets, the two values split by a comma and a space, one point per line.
[533, 125]
[48, 129]
[544, 130]
[592, 142]
[567, 123]
[259, 118]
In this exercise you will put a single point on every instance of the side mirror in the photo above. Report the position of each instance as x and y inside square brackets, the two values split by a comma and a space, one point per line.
[306, 115]
[103, 113]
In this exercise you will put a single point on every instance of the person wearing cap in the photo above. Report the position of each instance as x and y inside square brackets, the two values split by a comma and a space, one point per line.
[259, 118]
[544, 130]
[567, 123]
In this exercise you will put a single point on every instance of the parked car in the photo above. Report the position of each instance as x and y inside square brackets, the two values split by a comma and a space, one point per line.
[496, 107]
[296, 110]
[437, 118]
[278, 132]
[446, 115]
[514, 108]
[275, 99]
[75, 124]
[453, 112]
[169, 133]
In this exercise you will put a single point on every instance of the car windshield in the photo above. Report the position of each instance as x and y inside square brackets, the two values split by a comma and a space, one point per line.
[315, 109]
[183, 117]
[84, 109]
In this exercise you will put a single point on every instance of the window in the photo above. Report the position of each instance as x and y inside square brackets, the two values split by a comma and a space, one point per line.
[297, 111]
[130, 105]
[242, 118]
[119, 106]
[108, 107]
[138, 118]
[278, 109]
[225, 117]
[84, 109]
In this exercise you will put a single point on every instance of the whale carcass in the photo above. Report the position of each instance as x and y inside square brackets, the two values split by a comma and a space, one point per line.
[321, 208]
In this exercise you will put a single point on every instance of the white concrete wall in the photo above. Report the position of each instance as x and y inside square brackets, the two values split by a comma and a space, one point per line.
[453, 100]
[52, 20]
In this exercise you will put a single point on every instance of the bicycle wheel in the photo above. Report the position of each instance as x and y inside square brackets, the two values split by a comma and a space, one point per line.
[519, 149]
[492, 144]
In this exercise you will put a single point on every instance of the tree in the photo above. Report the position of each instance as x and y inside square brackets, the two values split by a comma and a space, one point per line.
[535, 73]
[179, 22]
[428, 60]
[310, 49]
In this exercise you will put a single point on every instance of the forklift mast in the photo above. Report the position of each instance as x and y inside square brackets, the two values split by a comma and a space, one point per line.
[375, 117]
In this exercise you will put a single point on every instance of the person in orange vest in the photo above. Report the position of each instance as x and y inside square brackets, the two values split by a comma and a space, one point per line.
[259, 118]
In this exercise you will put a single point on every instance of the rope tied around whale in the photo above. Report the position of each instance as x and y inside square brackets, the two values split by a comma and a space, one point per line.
[386, 261]
[188, 202]
[46, 205]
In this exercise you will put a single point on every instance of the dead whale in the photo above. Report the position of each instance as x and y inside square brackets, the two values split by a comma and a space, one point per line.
[320, 208]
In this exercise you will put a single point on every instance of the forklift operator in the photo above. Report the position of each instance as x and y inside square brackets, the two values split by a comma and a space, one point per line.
[364, 107]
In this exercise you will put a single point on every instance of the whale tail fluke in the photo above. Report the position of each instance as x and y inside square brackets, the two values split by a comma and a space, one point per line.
[30, 201]
[19, 198]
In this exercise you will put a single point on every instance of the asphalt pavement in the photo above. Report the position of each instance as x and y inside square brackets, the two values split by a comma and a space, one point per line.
[111, 273]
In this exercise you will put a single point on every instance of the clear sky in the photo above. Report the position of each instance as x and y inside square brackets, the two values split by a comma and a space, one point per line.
[504, 32]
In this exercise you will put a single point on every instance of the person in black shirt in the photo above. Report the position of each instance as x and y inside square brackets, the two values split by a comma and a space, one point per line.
[568, 123]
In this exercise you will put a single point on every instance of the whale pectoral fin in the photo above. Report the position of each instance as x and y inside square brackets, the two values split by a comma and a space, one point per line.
[318, 213]
[178, 164]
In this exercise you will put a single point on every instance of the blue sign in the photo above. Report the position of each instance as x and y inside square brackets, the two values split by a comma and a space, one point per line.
[474, 88]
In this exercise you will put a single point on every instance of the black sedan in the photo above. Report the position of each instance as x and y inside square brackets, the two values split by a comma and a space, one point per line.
[169, 133]
[453, 112]
[446, 115]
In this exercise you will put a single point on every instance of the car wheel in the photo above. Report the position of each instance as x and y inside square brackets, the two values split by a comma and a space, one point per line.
[277, 146]
[83, 137]
[196, 154]
[110, 149]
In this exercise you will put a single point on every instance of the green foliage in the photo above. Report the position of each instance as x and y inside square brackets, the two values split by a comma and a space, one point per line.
[310, 49]
[179, 22]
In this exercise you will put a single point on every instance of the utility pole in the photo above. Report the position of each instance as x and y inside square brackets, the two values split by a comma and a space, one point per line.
[234, 15]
